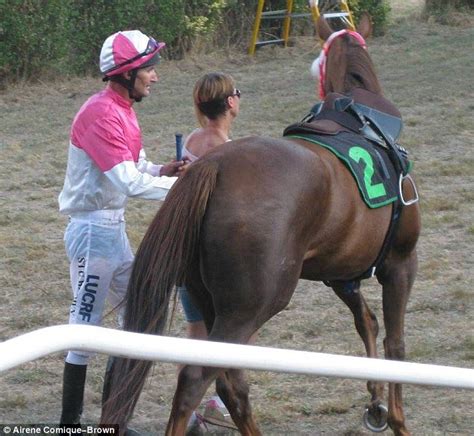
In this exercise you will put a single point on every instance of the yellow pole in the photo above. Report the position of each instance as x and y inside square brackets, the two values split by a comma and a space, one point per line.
[256, 27]
[313, 5]
[287, 20]
[345, 8]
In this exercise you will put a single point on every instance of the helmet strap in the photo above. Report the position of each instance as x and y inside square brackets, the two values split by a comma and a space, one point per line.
[128, 84]
[131, 86]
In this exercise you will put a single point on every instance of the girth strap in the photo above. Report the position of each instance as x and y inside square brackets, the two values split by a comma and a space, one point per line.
[392, 228]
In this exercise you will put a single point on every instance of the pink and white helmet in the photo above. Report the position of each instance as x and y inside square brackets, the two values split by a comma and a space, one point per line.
[127, 50]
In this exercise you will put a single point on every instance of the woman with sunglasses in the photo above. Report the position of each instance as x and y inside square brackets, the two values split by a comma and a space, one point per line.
[216, 104]
[106, 165]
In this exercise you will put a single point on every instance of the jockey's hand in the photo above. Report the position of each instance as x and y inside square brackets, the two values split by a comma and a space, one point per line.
[174, 168]
[183, 169]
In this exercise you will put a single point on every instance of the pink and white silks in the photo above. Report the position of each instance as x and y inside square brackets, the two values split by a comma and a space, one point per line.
[106, 165]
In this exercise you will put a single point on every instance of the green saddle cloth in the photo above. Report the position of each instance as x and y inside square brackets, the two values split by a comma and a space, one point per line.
[369, 163]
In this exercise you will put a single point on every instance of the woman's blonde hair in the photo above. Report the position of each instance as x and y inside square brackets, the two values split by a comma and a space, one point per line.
[210, 96]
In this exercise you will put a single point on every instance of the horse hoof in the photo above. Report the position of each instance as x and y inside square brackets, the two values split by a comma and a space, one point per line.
[376, 422]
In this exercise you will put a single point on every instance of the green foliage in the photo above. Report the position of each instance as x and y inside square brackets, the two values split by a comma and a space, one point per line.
[98, 19]
[41, 37]
[201, 19]
[378, 10]
[65, 36]
[31, 37]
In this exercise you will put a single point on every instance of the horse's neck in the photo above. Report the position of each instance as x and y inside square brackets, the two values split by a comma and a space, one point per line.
[375, 101]
[367, 98]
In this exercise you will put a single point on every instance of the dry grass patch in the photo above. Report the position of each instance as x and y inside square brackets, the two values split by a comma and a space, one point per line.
[467, 347]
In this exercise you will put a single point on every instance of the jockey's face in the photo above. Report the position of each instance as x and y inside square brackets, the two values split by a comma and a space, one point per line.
[145, 77]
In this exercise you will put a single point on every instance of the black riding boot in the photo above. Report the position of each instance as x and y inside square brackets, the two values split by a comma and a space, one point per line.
[74, 380]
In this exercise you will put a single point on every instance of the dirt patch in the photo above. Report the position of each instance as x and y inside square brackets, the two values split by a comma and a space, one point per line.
[425, 69]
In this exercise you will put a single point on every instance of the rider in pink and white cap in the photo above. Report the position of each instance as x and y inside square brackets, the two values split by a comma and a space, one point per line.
[106, 165]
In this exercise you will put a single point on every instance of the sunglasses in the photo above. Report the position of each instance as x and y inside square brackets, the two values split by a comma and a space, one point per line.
[236, 93]
[152, 46]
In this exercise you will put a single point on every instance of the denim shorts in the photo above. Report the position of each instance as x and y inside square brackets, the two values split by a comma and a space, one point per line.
[191, 312]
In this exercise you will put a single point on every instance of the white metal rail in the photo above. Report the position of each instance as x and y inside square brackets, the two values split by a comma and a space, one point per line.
[39, 343]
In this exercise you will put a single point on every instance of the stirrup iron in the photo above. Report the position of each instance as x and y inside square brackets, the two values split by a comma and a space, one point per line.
[413, 200]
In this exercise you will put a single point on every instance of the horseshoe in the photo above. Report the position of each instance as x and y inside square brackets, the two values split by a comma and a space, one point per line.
[375, 427]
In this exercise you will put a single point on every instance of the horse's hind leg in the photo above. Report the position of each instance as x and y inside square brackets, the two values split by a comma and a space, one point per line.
[231, 385]
[397, 279]
[193, 382]
[234, 391]
[368, 328]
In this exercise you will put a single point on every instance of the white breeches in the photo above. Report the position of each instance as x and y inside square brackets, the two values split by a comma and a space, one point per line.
[100, 266]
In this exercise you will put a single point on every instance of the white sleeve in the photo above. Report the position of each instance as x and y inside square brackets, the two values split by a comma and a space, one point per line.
[130, 181]
[145, 166]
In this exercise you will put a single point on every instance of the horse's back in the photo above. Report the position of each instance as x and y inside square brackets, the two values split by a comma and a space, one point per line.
[262, 179]
[265, 159]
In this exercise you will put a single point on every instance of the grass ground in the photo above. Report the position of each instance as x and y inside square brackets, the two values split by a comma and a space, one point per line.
[425, 69]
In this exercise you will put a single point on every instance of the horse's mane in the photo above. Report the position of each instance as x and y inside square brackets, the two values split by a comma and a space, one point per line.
[348, 66]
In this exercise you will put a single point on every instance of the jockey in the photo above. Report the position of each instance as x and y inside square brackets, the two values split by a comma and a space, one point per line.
[106, 165]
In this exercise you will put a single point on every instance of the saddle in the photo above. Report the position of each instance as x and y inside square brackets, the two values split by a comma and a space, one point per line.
[362, 112]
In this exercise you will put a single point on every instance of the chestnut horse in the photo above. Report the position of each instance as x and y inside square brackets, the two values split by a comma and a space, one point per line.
[241, 227]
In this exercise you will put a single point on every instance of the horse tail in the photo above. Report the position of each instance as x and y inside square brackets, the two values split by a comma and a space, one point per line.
[162, 260]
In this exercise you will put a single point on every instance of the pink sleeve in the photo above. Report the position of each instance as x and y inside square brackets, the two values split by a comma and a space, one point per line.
[105, 143]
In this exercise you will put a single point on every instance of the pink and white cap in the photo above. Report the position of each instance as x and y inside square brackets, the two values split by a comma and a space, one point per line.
[127, 50]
